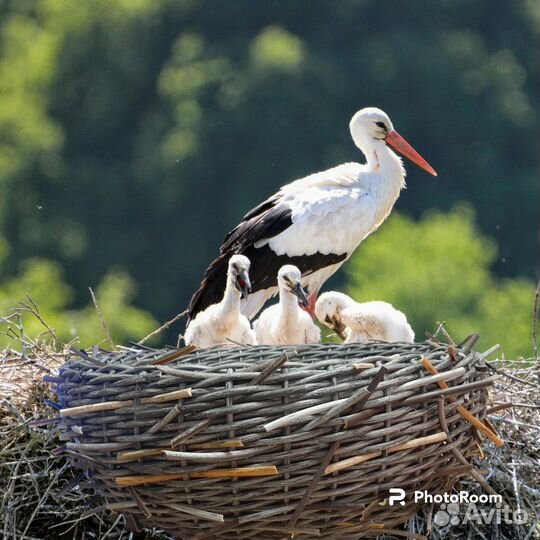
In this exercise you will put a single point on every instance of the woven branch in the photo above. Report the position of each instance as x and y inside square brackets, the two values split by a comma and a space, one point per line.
[273, 441]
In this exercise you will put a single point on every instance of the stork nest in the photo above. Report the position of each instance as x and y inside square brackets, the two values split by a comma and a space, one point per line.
[265, 442]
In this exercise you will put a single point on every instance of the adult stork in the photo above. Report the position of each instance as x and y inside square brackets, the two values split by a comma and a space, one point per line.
[317, 222]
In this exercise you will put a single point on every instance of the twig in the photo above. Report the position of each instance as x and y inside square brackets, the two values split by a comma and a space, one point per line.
[535, 321]
[515, 479]
[164, 326]
[103, 324]
[511, 377]
[34, 310]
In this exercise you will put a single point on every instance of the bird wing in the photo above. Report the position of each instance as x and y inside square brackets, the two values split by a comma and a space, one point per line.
[266, 220]
[312, 223]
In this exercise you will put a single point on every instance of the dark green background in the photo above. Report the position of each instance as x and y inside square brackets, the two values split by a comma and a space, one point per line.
[160, 123]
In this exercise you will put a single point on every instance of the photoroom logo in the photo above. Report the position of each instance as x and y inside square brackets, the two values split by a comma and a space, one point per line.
[396, 495]
[463, 507]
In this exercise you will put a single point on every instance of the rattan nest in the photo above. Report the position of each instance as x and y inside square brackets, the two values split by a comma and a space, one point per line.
[267, 442]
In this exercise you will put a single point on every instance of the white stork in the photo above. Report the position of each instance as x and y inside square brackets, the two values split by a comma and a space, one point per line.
[285, 323]
[222, 323]
[317, 222]
[362, 322]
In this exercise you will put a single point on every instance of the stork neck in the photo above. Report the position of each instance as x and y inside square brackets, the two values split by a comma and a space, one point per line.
[289, 305]
[387, 178]
[383, 160]
[230, 305]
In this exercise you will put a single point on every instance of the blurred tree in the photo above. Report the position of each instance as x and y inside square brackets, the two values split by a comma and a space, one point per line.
[135, 133]
[438, 269]
[41, 282]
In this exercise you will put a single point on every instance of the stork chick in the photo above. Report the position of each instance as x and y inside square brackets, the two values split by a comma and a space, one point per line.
[286, 323]
[222, 323]
[362, 322]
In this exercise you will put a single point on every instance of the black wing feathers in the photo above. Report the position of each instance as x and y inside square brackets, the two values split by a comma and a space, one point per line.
[265, 221]
[269, 220]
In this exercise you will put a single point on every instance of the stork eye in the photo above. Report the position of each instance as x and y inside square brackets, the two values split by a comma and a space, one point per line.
[381, 125]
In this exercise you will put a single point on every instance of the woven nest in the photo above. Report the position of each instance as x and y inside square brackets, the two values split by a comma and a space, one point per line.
[264, 442]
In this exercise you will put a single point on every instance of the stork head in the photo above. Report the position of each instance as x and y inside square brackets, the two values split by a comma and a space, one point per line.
[371, 124]
[239, 274]
[289, 280]
[328, 309]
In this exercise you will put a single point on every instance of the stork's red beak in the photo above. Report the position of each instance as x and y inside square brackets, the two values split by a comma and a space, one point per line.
[395, 140]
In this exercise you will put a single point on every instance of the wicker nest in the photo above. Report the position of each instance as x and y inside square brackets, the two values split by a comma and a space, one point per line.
[263, 442]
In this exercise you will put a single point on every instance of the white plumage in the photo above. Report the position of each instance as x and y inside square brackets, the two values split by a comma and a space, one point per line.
[316, 222]
[362, 322]
[223, 323]
[286, 323]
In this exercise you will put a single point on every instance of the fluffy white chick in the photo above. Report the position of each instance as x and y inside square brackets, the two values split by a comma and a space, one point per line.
[361, 322]
[223, 323]
[286, 323]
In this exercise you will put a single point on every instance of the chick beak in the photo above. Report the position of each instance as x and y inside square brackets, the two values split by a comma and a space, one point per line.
[298, 291]
[243, 284]
[338, 327]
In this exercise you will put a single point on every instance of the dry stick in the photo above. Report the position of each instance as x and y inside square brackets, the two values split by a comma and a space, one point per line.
[368, 510]
[168, 358]
[363, 365]
[212, 534]
[271, 367]
[206, 457]
[462, 410]
[358, 398]
[140, 503]
[452, 390]
[414, 443]
[113, 405]
[425, 381]
[263, 470]
[474, 473]
[133, 455]
[313, 484]
[398, 532]
[86, 357]
[166, 325]
[34, 310]
[231, 443]
[101, 318]
[442, 415]
[291, 533]
[490, 351]
[511, 377]
[535, 321]
[167, 419]
[184, 436]
[517, 498]
[204, 514]
[503, 406]
[362, 416]
[468, 343]
[299, 415]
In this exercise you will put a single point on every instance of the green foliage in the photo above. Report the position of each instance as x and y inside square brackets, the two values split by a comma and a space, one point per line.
[277, 50]
[135, 133]
[40, 286]
[114, 296]
[438, 269]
